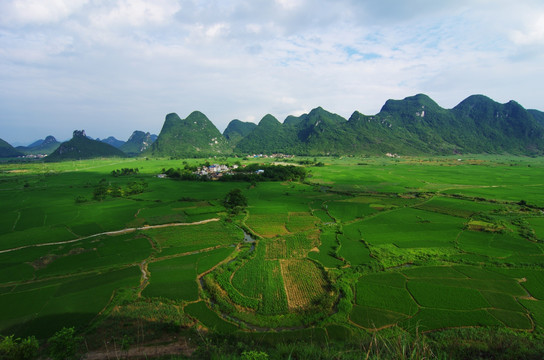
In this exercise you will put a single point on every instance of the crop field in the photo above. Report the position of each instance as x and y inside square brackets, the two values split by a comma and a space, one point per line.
[304, 282]
[269, 225]
[363, 244]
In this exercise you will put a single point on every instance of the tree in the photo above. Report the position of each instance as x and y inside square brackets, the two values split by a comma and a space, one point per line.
[19, 349]
[64, 344]
[235, 201]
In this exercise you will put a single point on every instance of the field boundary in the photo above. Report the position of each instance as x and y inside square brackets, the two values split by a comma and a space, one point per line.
[115, 232]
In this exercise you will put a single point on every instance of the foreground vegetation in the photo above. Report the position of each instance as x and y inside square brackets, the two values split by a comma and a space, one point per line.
[357, 257]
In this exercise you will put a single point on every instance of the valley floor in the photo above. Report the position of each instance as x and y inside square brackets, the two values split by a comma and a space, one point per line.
[362, 246]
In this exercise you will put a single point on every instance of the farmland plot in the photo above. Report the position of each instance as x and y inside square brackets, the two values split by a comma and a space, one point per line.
[304, 283]
[411, 228]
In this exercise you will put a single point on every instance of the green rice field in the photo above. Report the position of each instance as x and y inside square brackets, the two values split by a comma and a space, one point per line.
[397, 245]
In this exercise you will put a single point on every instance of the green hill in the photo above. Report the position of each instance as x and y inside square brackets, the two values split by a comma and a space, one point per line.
[42, 146]
[81, 147]
[6, 150]
[537, 115]
[270, 136]
[413, 126]
[138, 142]
[194, 136]
[237, 130]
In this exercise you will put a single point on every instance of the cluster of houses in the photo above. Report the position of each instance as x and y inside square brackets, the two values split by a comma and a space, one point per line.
[272, 156]
[33, 156]
[215, 171]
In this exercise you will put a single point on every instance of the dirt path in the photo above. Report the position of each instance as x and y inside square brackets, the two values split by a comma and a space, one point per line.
[180, 347]
[117, 232]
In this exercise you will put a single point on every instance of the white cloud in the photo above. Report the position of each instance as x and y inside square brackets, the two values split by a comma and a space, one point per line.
[136, 13]
[37, 11]
[288, 4]
[122, 65]
[532, 34]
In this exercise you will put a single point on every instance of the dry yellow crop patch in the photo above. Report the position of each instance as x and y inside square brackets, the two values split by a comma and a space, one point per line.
[303, 282]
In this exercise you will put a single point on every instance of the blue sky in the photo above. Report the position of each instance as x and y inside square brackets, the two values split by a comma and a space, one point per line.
[112, 67]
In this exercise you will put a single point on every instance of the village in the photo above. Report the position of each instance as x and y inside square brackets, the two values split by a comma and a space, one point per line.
[216, 171]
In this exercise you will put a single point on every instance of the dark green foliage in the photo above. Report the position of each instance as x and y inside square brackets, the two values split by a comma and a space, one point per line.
[64, 345]
[254, 355]
[190, 137]
[235, 201]
[137, 143]
[258, 172]
[81, 147]
[104, 189]
[183, 174]
[125, 172]
[19, 349]
[6, 150]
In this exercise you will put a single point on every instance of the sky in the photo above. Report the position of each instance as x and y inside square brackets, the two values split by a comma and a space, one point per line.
[112, 67]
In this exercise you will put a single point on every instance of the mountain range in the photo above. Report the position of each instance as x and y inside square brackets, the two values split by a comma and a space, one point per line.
[415, 125]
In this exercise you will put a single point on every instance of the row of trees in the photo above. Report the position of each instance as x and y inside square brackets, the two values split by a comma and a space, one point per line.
[256, 173]
[63, 345]
[104, 189]
[125, 172]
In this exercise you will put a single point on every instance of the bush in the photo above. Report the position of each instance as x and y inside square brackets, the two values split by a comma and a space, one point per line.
[235, 201]
[64, 345]
[19, 349]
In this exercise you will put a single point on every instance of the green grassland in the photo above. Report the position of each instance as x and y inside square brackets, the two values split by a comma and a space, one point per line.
[363, 244]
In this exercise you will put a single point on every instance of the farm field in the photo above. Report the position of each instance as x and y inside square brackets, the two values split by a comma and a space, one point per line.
[362, 245]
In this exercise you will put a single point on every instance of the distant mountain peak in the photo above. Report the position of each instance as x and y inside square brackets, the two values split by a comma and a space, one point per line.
[138, 142]
[81, 147]
[195, 135]
[79, 133]
[49, 140]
